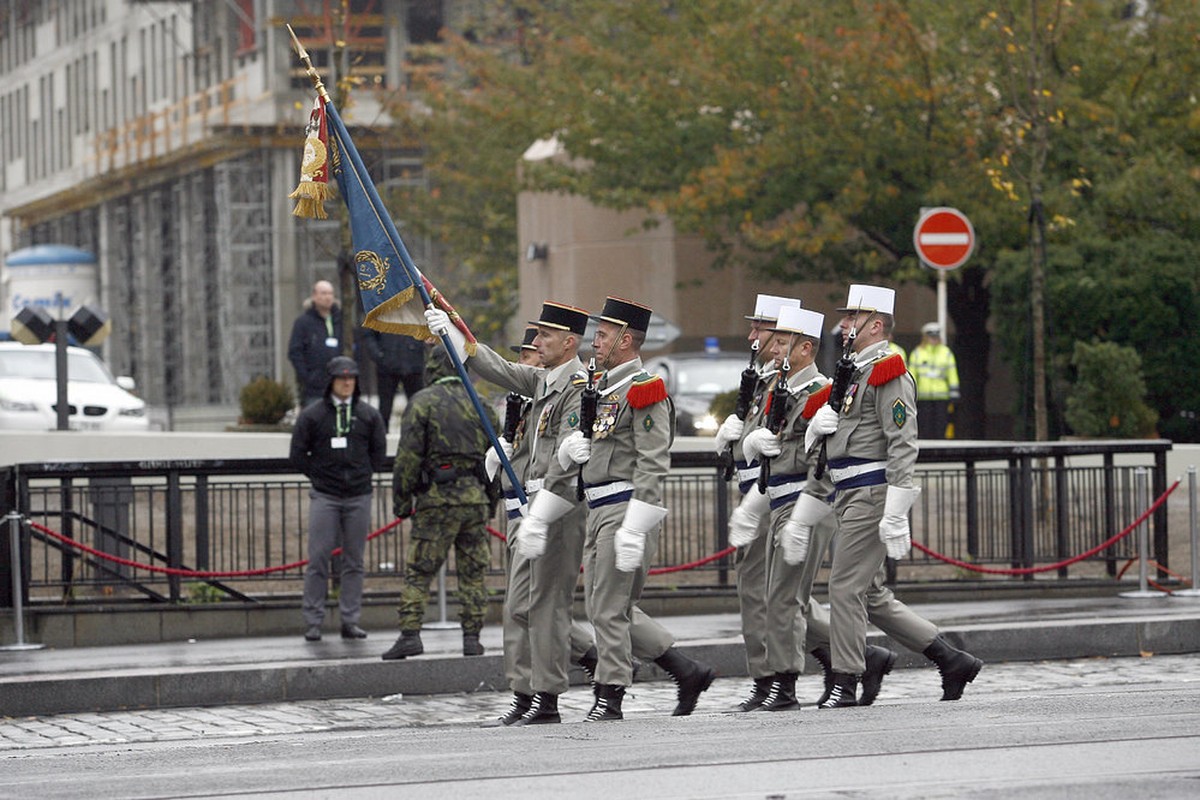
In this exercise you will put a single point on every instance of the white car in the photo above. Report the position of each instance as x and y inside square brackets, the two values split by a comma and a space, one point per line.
[29, 392]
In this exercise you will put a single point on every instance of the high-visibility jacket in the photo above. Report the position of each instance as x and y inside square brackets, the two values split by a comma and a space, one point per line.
[895, 348]
[935, 371]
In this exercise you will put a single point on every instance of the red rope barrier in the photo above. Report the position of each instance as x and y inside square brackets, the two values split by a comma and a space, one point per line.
[1050, 567]
[191, 573]
[692, 564]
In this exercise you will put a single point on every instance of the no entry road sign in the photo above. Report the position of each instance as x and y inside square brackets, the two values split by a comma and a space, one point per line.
[944, 238]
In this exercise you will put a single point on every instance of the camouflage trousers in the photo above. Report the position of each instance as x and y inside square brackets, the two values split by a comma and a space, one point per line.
[434, 532]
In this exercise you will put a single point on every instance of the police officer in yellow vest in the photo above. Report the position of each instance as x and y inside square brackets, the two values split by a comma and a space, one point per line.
[935, 370]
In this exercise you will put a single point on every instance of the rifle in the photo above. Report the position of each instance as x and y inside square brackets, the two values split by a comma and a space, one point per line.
[742, 409]
[843, 375]
[587, 416]
[775, 419]
[514, 404]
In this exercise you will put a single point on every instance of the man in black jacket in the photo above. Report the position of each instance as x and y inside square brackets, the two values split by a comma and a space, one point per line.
[398, 360]
[339, 444]
[316, 338]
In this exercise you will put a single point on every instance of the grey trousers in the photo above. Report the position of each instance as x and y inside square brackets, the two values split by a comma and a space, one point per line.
[540, 635]
[789, 593]
[621, 628]
[751, 565]
[333, 521]
[856, 576]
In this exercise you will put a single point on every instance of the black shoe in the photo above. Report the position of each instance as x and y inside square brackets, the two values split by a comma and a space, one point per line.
[544, 711]
[691, 677]
[783, 693]
[758, 693]
[608, 704]
[409, 644]
[588, 661]
[845, 686]
[313, 634]
[352, 631]
[520, 704]
[957, 667]
[471, 645]
[821, 654]
[880, 661]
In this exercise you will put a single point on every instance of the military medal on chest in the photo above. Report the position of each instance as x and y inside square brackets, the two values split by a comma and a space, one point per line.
[544, 419]
[849, 401]
[606, 416]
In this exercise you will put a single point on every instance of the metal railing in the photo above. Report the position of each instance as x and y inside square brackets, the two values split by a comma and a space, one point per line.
[998, 504]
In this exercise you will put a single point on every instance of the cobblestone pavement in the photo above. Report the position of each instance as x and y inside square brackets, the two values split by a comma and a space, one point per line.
[644, 699]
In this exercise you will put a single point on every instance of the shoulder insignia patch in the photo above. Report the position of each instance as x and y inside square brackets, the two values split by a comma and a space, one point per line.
[648, 423]
[899, 413]
[573, 420]
[647, 392]
[887, 369]
[816, 400]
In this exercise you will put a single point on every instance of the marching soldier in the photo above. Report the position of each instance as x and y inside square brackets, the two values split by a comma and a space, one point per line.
[623, 466]
[544, 567]
[870, 444]
[748, 522]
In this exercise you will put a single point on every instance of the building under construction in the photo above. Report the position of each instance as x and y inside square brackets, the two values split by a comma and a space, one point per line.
[165, 137]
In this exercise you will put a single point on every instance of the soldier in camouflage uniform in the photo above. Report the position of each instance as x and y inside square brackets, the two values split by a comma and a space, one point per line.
[439, 481]
[871, 446]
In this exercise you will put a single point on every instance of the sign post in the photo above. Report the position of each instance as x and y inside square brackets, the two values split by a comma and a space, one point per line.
[944, 239]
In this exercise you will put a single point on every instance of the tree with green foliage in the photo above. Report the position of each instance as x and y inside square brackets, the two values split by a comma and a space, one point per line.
[801, 139]
[1107, 398]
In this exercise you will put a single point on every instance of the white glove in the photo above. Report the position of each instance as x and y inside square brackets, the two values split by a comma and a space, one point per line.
[629, 542]
[760, 442]
[823, 423]
[491, 462]
[546, 508]
[894, 530]
[729, 432]
[438, 321]
[807, 513]
[574, 449]
[745, 520]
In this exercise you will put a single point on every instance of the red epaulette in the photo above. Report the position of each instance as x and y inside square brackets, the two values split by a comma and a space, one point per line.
[887, 370]
[816, 400]
[647, 392]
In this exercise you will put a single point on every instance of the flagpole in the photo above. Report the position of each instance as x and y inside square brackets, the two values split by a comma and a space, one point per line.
[414, 274]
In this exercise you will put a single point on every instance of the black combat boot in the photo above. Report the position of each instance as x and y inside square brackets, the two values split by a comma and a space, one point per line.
[845, 686]
[783, 693]
[608, 703]
[520, 704]
[409, 644]
[691, 677]
[821, 654]
[471, 645]
[587, 662]
[759, 692]
[957, 668]
[544, 711]
[880, 661]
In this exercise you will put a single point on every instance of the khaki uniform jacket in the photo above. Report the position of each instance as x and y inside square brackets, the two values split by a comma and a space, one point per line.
[632, 443]
[746, 474]
[553, 415]
[878, 420]
[792, 458]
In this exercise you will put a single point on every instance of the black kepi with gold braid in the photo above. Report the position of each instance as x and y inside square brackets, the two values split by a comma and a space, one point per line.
[526, 340]
[562, 317]
[618, 311]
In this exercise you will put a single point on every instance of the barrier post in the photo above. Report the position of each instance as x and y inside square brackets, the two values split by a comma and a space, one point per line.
[14, 528]
[1141, 495]
[442, 624]
[1195, 529]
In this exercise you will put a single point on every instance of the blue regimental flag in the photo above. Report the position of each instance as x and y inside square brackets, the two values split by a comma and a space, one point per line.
[387, 278]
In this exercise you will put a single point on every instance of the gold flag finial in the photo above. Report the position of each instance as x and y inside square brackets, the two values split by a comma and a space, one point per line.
[308, 65]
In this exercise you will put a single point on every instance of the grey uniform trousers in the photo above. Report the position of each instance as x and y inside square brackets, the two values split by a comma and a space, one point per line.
[333, 520]
[540, 636]
[621, 628]
[789, 593]
[750, 562]
[856, 581]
